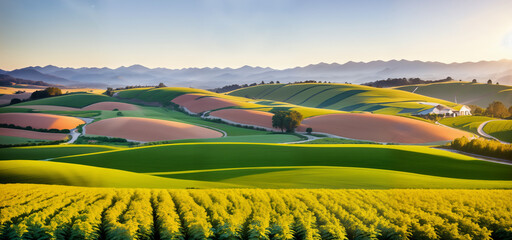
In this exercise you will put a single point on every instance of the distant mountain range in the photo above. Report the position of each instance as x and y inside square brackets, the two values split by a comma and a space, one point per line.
[351, 72]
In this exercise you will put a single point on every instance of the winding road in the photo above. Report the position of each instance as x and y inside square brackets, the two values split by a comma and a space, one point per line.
[74, 132]
[480, 131]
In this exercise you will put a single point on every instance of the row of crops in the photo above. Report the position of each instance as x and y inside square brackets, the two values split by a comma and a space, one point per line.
[51, 212]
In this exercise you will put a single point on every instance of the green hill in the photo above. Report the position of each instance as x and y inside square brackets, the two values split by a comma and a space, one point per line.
[43, 172]
[77, 100]
[50, 151]
[273, 166]
[501, 129]
[465, 92]
[466, 123]
[343, 97]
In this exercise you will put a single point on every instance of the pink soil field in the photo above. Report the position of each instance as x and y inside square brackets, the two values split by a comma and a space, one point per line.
[40, 120]
[195, 105]
[380, 128]
[248, 117]
[146, 130]
[32, 134]
[109, 106]
[47, 108]
[373, 127]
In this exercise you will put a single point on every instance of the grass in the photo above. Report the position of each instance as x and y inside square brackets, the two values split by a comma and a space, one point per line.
[342, 97]
[25, 171]
[466, 123]
[4, 140]
[501, 129]
[465, 92]
[328, 140]
[203, 156]
[77, 100]
[332, 177]
[45, 152]
[267, 138]
[83, 114]
[160, 95]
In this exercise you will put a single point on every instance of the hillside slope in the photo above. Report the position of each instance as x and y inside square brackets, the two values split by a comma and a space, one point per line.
[343, 97]
[464, 92]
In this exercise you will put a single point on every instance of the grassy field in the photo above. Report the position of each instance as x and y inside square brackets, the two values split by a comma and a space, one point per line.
[160, 95]
[51, 151]
[465, 92]
[77, 100]
[203, 156]
[25, 171]
[343, 97]
[4, 140]
[466, 123]
[501, 129]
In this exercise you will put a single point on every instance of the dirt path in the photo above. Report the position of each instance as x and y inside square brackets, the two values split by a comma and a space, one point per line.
[74, 132]
[484, 134]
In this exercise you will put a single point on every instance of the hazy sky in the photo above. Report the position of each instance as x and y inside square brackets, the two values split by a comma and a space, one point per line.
[233, 33]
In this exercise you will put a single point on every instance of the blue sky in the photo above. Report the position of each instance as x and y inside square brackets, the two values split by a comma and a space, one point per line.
[276, 33]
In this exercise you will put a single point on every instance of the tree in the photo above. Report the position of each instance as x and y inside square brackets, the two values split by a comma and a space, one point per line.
[497, 109]
[120, 114]
[277, 82]
[474, 81]
[489, 81]
[48, 92]
[309, 130]
[476, 110]
[288, 120]
[161, 85]
[15, 100]
[109, 92]
[510, 110]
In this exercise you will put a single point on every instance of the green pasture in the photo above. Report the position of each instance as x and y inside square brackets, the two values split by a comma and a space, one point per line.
[203, 156]
[76, 100]
[501, 129]
[466, 123]
[5, 140]
[44, 172]
[49, 151]
[480, 94]
[342, 97]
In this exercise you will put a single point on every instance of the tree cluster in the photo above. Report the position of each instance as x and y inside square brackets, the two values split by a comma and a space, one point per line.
[48, 92]
[393, 82]
[484, 147]
[286, 120]
[496, 109]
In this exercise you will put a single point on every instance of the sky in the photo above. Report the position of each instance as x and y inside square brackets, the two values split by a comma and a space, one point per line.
[234, 33]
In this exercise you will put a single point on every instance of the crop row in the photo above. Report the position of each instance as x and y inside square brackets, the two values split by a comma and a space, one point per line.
[50, 212]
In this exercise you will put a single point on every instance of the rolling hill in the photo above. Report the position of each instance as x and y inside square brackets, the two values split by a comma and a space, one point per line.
[464, 92]
[278, 166]
[343, 97]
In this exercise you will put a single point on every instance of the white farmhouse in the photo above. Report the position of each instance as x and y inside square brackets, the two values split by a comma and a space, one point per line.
[439, 109]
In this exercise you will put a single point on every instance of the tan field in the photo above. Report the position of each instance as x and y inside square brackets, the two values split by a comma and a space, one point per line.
[109, 106]
[32, 134]
[195, 105]
[40, 120]
[380, 128]
[145, 129]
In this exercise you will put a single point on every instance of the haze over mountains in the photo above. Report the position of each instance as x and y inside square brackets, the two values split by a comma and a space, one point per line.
[352, 72]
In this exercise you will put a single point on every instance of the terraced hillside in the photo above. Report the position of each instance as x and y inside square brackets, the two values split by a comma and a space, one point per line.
[464, 92]
[258, 113]
[257, 165]
[343, 97]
